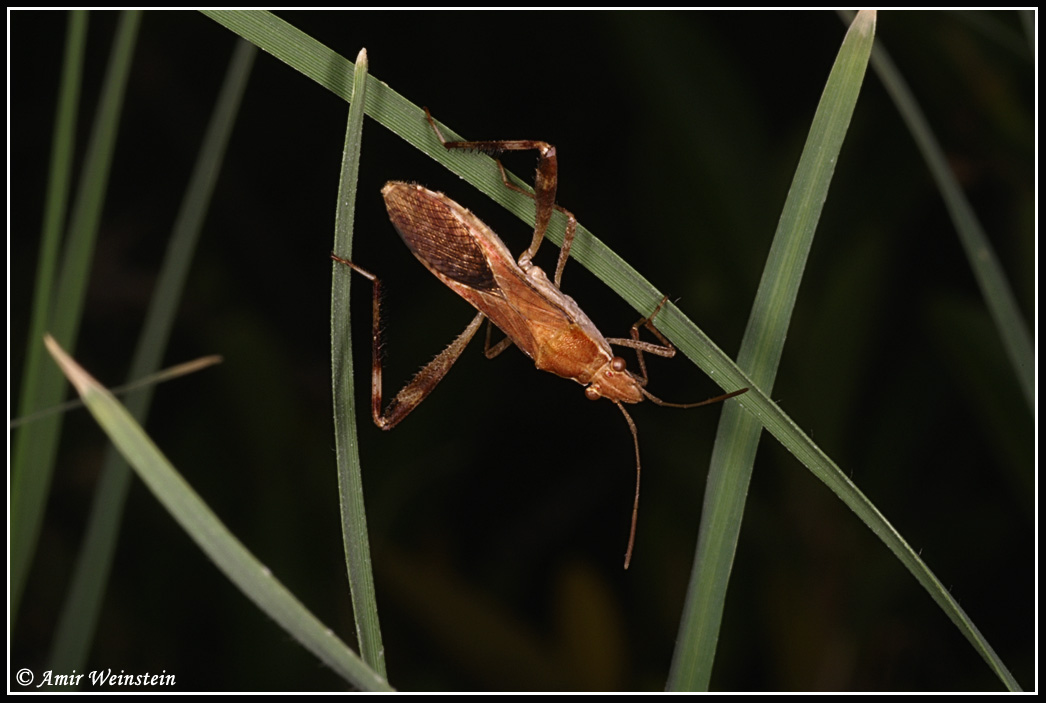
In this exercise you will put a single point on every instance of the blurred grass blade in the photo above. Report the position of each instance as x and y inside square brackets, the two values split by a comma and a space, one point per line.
[81, 609]
[60, 174]
[991, 279]
[204, 527]
[350, 476]
[168, 374]
[36, 445]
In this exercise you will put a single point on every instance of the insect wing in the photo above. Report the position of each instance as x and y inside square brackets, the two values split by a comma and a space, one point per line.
[460, 250]
[439, 235]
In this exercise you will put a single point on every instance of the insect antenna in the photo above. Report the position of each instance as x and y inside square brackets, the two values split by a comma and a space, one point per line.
[665, 403]
[635, 504]
[635, 439]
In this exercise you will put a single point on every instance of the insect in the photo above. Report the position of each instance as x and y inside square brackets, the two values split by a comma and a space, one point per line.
[512, 294]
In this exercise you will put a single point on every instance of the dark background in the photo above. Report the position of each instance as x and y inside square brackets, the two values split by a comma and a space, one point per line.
[499, 510]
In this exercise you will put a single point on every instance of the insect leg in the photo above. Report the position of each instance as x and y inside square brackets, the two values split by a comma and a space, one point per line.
[411, 395]
[544, 195]
[665, 349]
[491, 351]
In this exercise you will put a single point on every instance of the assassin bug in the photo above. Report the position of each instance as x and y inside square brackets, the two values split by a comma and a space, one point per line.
[514, 295]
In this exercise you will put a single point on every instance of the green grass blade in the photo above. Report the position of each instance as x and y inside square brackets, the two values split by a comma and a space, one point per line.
[55, 210]
[35, 445]
[390, 109]
[738, 436]
[80, 612]
[350, 475]
[204, 527]
[738, 433]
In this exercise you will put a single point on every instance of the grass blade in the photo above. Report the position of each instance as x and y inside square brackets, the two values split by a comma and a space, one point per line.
[83, 603]
[738, 436]
[991, 279]
[350, 475]
[35, 445]
[204, 527]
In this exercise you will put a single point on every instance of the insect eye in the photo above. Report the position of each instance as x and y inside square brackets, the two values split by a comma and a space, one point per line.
[591, 393]
[617, 363]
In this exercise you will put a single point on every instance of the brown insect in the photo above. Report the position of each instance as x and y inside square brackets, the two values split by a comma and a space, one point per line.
[514, 295]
